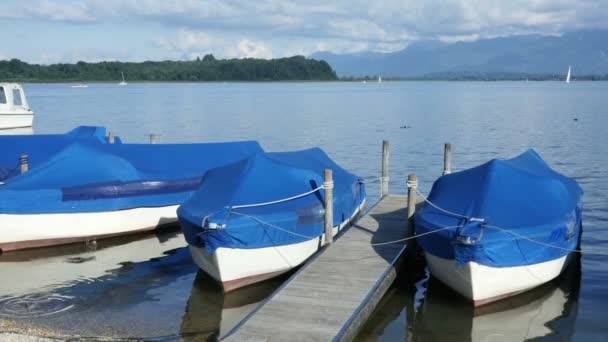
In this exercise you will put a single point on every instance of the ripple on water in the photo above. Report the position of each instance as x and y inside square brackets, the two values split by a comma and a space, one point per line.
[35, 305]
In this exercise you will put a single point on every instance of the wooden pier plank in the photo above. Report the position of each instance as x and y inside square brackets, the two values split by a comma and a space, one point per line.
[332, 295]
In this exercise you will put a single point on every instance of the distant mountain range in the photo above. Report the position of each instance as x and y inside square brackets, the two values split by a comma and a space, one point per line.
[585, 51]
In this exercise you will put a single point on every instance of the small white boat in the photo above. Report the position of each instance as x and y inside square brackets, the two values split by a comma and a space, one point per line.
[90, 190]
[123, 83]
[79, 86]
[499, 242]
[568, 76]
[14, 109]
[243, 245]
[379, 79]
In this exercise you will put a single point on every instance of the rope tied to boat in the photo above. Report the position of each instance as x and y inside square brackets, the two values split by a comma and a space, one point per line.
[287, 199]
[444, 210]
[415, 236]
[370, 180]
[260, 221]
[485, 225]
[231, 210]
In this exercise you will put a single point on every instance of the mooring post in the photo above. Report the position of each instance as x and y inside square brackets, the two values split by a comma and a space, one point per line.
[152, 138]
[328, 185]
[384, 179]
[111, 137]
[447, 159]
[412, 184]
[23, 161]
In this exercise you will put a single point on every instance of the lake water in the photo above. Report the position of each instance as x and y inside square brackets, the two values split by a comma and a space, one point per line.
[146, 286]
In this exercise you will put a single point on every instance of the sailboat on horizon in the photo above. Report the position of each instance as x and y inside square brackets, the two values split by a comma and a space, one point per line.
[123, 83]
[568, 76]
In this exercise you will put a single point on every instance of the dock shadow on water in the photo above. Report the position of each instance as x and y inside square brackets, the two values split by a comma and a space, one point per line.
[424, 309]
[138, 287]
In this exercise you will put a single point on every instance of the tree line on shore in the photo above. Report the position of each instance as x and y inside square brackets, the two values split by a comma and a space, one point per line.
[297, 68]
[209, 69]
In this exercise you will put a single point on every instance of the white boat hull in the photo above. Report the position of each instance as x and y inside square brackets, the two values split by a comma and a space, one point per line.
[16, 120]
[485, 284]
[235, 268]
[21, 231]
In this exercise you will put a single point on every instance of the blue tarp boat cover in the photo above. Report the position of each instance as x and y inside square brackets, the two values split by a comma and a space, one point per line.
[267, 177]
[522, 195]
[41, 147]
[91, 177]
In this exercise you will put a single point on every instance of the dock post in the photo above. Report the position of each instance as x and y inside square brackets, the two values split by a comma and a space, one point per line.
[412, 184]
[328, 185]
[384, 179]
[23, 161]
[152, 138]
[111, 137]
[447, 159]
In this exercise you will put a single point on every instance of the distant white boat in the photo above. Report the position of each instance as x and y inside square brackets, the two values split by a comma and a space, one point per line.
[123, 83]
[379, 79]
[79, 86]
[568, 76]
[14, 110]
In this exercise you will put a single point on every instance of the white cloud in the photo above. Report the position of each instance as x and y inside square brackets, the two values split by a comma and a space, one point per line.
[254, 49]
[194, 44]
[187, 41]
[76, 12]
[238, 28]
[185, 9]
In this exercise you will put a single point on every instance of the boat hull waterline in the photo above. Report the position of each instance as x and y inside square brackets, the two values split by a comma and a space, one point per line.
[234, 268]
[11, 121]
[485, 284]
[64, 228]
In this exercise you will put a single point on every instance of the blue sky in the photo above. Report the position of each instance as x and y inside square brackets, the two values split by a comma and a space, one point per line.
[50, 31]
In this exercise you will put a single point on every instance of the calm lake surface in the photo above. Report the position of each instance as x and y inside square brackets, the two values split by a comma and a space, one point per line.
[147, 286]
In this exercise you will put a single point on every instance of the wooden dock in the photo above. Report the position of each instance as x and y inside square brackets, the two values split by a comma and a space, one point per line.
[332, 296]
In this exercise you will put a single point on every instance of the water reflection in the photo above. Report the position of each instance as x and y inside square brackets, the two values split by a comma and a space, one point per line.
[547, 312]
[211, 311]
[423, 309]
[131, 287]
[49, 269]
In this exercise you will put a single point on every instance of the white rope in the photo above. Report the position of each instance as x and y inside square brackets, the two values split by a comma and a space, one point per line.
[370, 180]
[280, 200]
[543, 243]
[315, 237]
[273, 226]
[414, 236]
[506, 230]
[409, 184]
[440, 209]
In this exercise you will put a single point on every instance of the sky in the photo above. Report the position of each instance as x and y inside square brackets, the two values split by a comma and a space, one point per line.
[52, 31]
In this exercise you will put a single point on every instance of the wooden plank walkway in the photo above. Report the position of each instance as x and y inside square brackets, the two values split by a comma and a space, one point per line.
[332, 296]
